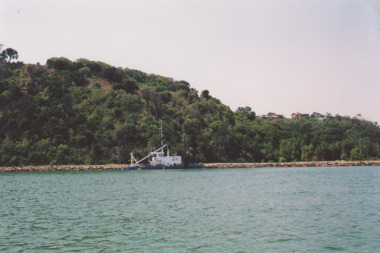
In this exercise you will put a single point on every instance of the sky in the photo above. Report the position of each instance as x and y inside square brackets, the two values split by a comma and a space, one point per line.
[281, 56]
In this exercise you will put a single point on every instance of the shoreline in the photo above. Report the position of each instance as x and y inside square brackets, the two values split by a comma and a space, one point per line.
[293, 164]
[44, 168]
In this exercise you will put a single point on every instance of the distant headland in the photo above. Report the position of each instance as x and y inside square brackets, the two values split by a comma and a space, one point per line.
[89, 112]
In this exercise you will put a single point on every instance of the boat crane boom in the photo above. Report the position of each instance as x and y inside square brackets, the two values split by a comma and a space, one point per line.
[138, 162]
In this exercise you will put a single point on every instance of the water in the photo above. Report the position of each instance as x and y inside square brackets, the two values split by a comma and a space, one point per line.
[214, 210]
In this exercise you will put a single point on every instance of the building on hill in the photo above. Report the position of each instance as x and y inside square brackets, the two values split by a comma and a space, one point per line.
[279, 116]
[271, 115]
[299, 115]
[262, 117]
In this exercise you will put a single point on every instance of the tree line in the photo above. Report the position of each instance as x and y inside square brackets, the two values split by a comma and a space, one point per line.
[89, 112]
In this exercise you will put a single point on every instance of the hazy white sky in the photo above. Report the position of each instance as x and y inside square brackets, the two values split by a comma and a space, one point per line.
[278, 56]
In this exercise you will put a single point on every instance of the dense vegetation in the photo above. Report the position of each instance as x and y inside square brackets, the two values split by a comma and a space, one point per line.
[88, 112]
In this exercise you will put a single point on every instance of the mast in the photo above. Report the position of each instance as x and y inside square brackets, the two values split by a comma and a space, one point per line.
[162, 135]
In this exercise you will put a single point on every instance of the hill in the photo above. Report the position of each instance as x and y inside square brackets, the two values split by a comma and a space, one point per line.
[88, 112]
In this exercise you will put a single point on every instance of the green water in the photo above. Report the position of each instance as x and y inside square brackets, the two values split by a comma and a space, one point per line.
[214, 210]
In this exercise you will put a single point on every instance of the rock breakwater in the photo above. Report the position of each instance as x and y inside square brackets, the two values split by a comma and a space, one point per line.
[64, 168]
[206, 165]
[293, 164]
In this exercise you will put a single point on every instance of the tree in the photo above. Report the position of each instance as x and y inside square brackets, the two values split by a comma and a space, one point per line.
[205, 94]
[247, 112]
[61, 63]
[8, 55]
[128, 85]
[113, 74]
[317, 115]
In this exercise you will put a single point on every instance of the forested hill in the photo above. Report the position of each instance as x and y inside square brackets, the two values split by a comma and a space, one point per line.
[87, 112]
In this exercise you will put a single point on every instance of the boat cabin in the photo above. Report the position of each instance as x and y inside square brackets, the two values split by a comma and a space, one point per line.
[158, 158]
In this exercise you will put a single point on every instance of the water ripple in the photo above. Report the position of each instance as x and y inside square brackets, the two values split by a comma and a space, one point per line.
[237, 210]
